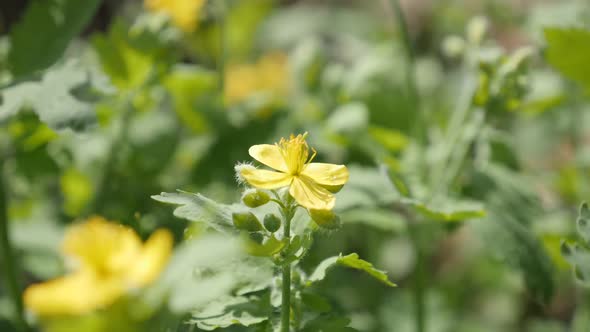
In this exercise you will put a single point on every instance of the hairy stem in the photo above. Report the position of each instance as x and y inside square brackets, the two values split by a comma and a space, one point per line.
[9, 268]
[286, 299]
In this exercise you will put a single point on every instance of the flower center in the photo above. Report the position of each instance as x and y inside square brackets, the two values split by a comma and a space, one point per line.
[295, 152]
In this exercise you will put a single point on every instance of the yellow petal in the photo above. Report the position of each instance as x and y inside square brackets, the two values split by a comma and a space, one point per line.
[152, 260]
[310, 194]
[270, 155]
[264, 179]
[75, 294]
[327, 174]
[103, 246]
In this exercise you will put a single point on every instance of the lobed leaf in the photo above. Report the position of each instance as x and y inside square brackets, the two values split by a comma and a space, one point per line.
[352, 261]
[44, 32]
[61, 97]
[198, 208]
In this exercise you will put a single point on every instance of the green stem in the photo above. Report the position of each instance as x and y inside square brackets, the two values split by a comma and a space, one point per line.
[420, 278]
[221, 19]
[286, 299]
[420, 125]
[100, 197]
[9, 267]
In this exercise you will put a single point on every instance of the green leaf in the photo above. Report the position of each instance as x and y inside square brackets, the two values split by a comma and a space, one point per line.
[568, 51]
[380, 218]
[391, 139]
[447, 210]
[208, 268]
[510, 239]
[352, 261]
[44, 32]
[198, 208]
[271, 246]
[583, 222]
[328, 323]
[189, 86]
[127, 66]
[59, 97]
[230, 310]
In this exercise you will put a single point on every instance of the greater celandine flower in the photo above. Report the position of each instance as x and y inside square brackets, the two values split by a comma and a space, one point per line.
[310, 184]
[110, 260]
[184, 13]
[269, 76]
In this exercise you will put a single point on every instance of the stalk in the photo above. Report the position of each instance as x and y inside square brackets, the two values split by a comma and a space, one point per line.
[9, 268]
[221, 19]
[420, 274]
[420, 278]
[118, 142]
[286, 298]
[410, 70]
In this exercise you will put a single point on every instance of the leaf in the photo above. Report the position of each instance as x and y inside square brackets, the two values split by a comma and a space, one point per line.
[509, 238]
[208, 268]
[583, 222]
[44, 32]
[230, 310]
[58, 97]
[391, 139]
[198, 208]
[127, 65]
[568, 51]
[189, 85]
[328, 323]
[383, 219]
[447, 210]
[352, 261]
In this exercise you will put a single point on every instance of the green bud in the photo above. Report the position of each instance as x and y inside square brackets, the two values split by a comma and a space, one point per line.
[255, 198]
[246, 221]
[272, 223]
[325, 218]
[256, 237]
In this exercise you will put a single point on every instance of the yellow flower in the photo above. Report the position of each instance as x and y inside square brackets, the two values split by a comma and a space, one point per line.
[268, 76]
[184, 13]
[309, 183]
[110, 261]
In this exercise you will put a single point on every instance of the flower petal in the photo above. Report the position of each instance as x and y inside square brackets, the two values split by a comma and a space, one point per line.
[310, 194]
[74, 294]
[152, 260]
[270, 155]
[264, 179]
[327, 174]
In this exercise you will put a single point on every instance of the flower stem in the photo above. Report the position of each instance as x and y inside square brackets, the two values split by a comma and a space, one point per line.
[9, 267]
[101, 193]
[410, 70]
[221, 19]
[419, 282]
[286, 298]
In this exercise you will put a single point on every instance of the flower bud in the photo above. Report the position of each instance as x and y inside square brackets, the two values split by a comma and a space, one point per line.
[272, 223]
[246, 221]
[256, 237]
[255, 198]
[325, 218]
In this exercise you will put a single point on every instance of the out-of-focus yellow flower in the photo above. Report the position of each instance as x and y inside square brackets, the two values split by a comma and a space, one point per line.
[309, 183]
[110, 260]
[268, 76]
[184, 13]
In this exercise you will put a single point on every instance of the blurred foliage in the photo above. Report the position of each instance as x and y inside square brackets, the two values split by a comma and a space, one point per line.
[462, 184]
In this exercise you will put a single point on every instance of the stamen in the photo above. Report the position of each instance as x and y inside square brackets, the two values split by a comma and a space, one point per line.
[314, 153]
